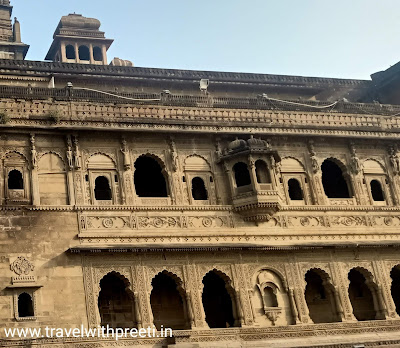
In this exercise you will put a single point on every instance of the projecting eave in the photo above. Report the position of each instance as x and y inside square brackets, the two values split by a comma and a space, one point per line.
[170, 247]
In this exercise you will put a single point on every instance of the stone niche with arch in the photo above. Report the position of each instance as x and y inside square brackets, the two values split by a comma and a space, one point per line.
[295, 182]
[52, 178]
[377, 183]
[102, 180]
[17, 187]
[199, 180]
[251, 167]
[270, 299]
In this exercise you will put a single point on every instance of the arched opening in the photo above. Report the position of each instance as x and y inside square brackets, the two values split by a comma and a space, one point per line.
[15, 180]
[116, 305]
[319, 299]
[25, 305]
[97, 54]
[102, 190]
[149, 178]
[361, 297]
[262, 172]
[295, 191]
[217, 302]
[167, 304]
[84, 53]
[199, 192]
[376, 191]
[70, 52]
[270, 299]
[335, 185]
[242, 175]
[395, 288]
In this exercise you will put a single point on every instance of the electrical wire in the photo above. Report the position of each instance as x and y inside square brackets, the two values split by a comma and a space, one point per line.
[115, 95]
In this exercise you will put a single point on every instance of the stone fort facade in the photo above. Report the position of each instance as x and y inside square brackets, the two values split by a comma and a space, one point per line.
[241, 210]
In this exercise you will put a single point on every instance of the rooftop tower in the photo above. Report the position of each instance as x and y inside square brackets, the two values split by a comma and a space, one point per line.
[11, 46]
[78, 39]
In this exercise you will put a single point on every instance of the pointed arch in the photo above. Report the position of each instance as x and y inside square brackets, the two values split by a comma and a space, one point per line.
[219, 301]
[168, 302]
[116, 301]
[320, 297]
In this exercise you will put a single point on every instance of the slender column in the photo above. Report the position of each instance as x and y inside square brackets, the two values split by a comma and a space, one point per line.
[70, 174]
[91, 54]
[138, 314]
[34, 173]
[76, 52]
[339, 307]
[253, 174]
[232, 186]
[293, 306]
[381, 302]
[190, 309]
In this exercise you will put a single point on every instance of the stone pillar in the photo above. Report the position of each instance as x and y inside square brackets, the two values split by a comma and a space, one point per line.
[338, 302]
[190, 309]
[253, 174]
[138, 314]
[300, 301]
[232, 185]
[34, 173]
[293, 306]
[91, 54]
[104, 51]
[76, 52]
[63, 52]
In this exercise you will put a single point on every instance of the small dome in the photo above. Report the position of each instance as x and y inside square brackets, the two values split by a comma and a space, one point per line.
[77, 21]
[237, 143]
[256, 142]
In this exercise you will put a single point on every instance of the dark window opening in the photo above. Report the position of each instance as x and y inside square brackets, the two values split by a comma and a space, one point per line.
[84, 53]
[70, 52]
[217, 302]
[242, 175]
[335, 185]
[97, 54]
[167, 304]
[270, 299]
[376, 191]
[395, 288]
[183, 179]
[15, 181]
[149, 179]
[102, 190]
[295, 191]
[262, 172]
[320, 302]
[25, 305]
[199, 192]
[116, 305]
[116, 178]
[361, 297]
[211, 179]
[87, 178]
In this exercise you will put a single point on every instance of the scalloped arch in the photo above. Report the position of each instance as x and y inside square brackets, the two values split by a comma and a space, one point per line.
[270, 269]
[197, 162]
[97, 153]
[365, 272]
[321, 272]
[41, 155]
[119, 276]
[341, 165]
[15, 152]
[373, 166]
[153, 156]
[292, 164]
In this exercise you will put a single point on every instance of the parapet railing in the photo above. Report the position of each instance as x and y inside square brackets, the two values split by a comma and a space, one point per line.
[204, 101]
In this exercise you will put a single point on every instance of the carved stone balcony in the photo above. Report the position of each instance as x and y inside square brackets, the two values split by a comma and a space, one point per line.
[257, 205]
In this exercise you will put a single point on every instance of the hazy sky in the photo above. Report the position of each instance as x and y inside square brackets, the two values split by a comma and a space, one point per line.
[331, 38]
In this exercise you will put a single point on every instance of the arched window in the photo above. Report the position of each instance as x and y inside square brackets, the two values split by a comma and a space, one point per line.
[376, 191]
[70, 52]
[15, 181]
[361, 297]
[102, 190]
[242, 175]
[270, 299]
[84, 53]
[217, 302]
[25, 305]
[116, 305]
[262, 172]
[395, 288]
[97, 54]
[335, 185]
[320, 302]
[295, 191]
[199, 192]
[149, 179]
[167, 303]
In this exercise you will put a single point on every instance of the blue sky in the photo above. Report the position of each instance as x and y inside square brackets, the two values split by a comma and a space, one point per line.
[336, 38]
